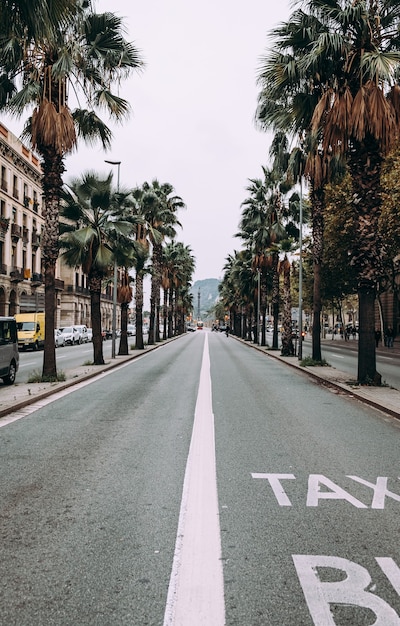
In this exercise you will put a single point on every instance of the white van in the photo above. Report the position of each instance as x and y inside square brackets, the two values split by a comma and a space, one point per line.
[9, 355]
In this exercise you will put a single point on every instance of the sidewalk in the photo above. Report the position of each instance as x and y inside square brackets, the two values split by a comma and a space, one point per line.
[16, 397]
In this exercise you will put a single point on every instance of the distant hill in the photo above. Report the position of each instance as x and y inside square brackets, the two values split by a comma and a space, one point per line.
[208, 295]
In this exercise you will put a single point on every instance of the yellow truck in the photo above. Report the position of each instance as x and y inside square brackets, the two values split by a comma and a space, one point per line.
[30, 328]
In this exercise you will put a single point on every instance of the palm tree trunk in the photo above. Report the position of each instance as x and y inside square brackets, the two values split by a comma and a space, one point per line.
[165, 314]
[154, 327]
[139, 344]
[95, 311]
[263, 305]
[123, 342]
[275, 298]
[365, 167]
[367, 373]
[317, 200]
[287, 342]
[49, 356]
[53, 169]
[171, 313]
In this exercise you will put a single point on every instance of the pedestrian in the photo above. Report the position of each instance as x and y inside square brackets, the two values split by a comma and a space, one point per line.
[378, 337]
[389, 337]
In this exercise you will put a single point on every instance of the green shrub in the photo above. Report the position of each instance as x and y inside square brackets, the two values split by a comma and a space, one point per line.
[308, 361]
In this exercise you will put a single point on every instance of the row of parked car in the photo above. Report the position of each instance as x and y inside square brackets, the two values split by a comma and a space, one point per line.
[77, 334]
[72, 335]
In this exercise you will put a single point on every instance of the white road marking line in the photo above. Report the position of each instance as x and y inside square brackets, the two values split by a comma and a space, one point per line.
[196, 588]
[338, 356]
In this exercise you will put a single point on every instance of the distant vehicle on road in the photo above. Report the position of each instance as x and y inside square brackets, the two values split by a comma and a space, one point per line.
[200, 325]
[9, 356]
[30, 327]
[59, 338]
[90, 334]
[71, 335]
[131, 329]
[83, 333]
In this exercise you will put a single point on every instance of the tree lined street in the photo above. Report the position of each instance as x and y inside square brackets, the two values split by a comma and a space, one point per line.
[307, 482]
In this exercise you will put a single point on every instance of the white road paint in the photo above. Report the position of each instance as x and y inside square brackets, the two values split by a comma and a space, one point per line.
[352, 591]
[196, 589]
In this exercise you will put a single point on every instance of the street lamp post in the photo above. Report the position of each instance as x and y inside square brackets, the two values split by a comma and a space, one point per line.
[115, 279]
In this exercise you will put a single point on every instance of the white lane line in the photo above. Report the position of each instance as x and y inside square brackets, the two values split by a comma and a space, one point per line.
[338, 356]
[196, 588]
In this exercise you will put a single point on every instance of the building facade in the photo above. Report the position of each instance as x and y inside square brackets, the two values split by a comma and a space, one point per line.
[21, 225]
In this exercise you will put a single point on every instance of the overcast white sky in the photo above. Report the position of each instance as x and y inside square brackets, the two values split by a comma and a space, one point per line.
[193, 112]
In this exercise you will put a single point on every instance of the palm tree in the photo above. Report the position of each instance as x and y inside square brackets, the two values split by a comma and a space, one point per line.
[88, 239]
[262, 229]
[177, 267]
[160, 208]
[33, 19]
[86, 57]
[346, 62]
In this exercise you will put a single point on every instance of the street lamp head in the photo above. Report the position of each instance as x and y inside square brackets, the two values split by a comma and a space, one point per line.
[112, 162]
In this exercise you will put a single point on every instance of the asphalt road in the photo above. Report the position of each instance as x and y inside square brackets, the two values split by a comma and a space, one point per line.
[93, 529]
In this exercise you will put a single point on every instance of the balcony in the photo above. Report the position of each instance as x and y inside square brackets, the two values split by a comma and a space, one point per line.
[16, 232]
[35, 239]
[4, 223]
[37, 279]
[16, 275]
[59, 284]
[78, 289]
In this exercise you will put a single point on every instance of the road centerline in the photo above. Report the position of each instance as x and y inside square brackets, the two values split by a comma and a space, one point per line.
[196, 589]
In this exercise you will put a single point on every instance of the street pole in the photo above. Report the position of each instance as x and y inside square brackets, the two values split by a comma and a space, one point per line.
[300, 351]
[115, 279]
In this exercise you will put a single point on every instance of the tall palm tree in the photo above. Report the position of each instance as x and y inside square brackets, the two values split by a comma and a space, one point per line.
[86, 57]
[262, 229]
[33, 19]
[346, 66]
[88, 239]
[160, 215]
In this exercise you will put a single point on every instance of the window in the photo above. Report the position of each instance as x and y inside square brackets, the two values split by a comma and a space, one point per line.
[15, 187]
[4, 178]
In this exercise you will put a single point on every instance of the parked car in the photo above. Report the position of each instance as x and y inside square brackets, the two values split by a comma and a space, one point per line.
[71, 335]
[9, 356]
[59, 338]
[83, 334]
[131, 329]
[90, 334]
